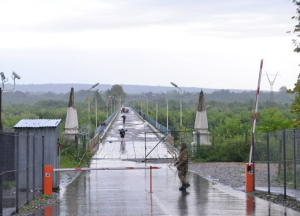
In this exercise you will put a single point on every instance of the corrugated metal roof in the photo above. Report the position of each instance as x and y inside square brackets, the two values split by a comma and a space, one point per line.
[37, 123]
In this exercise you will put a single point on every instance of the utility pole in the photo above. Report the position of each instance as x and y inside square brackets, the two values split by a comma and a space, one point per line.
[271, 85]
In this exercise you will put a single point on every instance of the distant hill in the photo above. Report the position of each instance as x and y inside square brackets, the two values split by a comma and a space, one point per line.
[34, 93]
[129, 89]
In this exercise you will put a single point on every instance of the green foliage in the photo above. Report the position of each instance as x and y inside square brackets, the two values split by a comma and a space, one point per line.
[73, 155]
[295, 108]
[116, 91]
[9, 184]
[230, 117]
[297, 26]
[40, 201]
[226, 150]
[272, 120]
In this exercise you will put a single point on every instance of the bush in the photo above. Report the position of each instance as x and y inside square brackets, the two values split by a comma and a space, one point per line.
[73, 154]
[226, 150]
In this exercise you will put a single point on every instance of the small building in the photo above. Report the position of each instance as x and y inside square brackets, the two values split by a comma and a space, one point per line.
[39, 138]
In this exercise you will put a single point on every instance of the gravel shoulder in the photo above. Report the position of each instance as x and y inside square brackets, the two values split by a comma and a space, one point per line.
[233, 174]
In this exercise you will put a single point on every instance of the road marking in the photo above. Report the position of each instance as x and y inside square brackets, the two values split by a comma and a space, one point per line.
[161, 205]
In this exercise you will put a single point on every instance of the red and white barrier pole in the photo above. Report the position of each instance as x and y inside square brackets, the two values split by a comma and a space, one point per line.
[249, 182]
[104, 168]
[49, 170]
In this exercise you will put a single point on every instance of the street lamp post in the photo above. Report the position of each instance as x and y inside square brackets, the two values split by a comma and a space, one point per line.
[132, 104]
[156, 109]
[114, 102]
[141, 104]
[180, 102]
[106, 103]
[110, 103]
[137, 103]
[96, 104]
[167, 111]
[4, 80]
[147, 104]
[90, 102]
[119, 101]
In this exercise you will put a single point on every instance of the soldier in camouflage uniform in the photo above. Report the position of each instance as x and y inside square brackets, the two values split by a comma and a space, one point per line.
[182, 166]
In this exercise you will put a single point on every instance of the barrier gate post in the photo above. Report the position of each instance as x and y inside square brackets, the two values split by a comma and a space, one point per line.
[249, 174]
[48, 175]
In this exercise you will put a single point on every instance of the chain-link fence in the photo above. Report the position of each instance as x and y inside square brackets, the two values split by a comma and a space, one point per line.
[278, 153]
[21, 169]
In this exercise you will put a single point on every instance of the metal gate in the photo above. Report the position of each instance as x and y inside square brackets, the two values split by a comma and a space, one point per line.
[161, 146]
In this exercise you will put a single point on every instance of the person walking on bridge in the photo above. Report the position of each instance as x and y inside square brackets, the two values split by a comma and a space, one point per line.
[124, 118]
[122, 135]
[182, 166]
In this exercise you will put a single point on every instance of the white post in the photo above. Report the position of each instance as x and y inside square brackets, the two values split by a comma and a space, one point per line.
[167, 115]
[96, 108]
[180, 107]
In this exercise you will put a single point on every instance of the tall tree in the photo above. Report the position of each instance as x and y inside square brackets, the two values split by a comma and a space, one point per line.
[295, 108]
[117, 92]
[272, 120]
[297, 26]
[283, 89]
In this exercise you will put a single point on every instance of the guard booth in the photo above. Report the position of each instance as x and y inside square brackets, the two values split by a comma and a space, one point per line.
[37, 146]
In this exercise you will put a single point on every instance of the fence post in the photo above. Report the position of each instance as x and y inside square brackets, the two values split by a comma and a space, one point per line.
[150, 179]
[17, 153]
[284, 164]
[33, 168]
[43, 159]
[1, 169]
[145, 145]
[77, 140]
[198, 144]
[84, 142]
[268, 158]
[295, 159]
[27, 167]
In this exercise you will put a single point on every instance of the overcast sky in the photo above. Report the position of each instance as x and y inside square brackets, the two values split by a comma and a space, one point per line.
[193, 43]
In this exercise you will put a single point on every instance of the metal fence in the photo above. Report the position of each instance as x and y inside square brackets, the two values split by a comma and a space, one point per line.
[21, 170]
[154, 123]
[95, 140]
[108, 120]
[278, 153]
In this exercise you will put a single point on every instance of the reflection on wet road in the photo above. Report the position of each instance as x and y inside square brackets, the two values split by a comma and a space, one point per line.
[126, 192]
[135, 140]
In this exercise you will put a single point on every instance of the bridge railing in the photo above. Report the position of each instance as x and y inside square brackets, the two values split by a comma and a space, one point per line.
[163, 129]
[98, 133]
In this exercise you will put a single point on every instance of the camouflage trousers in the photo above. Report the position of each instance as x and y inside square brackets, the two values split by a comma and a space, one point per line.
[182, 175]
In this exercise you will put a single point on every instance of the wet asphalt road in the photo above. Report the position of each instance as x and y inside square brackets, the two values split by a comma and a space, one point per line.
[127, 192]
